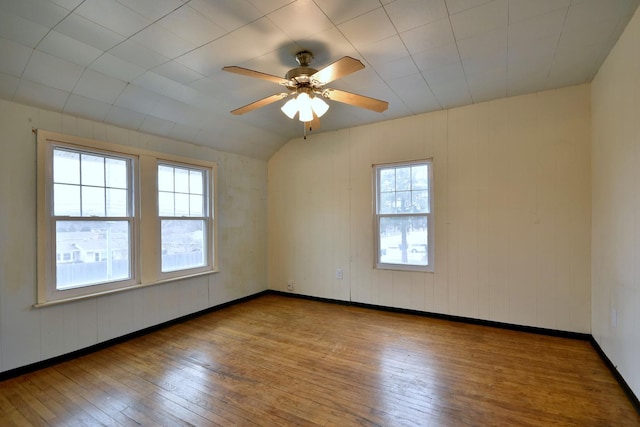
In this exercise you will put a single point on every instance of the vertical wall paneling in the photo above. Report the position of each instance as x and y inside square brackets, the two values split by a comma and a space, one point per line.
[29, 335]
[502, 183]
[615, 203]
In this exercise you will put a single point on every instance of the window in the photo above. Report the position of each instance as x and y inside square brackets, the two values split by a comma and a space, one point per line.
[98, 232]
[182, 208]
[403, 216]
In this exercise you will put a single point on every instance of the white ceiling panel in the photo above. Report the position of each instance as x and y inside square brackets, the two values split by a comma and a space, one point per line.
[8, 85]
[520, 10]
[124, 117]
[368, 28]
[113, 15]
[86, 107]
[42, 12]
[192, 26]
[152, 9]
[21, 30]
[80, 28]
[481, 19]
[428, 36]
[408, 14]
[15, 57]
[117, 68]
[67, 48]
[51, 71]
[156, 64]
[177, 72]
[98, 86]
[38, 95]
[163, 41]
[340, 11]
[227, 14]
[315, 20]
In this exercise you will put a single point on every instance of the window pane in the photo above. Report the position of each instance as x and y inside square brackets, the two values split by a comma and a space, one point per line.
[404, 240]
[195, 182]
[93, 201]
[165, 178]
[403, 202]
[91, 252]
[403, 179]
[116, 173]
[196, 205]
[387, 180]
[419, 177]
[387, 203]
[420, 201]
[116, 202]
[66, 167]
[183, 244]
[182, 180]
[92, 170]
[182, 204]
[66, 200]
[165, 204]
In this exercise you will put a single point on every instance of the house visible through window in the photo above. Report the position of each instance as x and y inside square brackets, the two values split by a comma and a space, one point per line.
[403, 219]
[101, 230]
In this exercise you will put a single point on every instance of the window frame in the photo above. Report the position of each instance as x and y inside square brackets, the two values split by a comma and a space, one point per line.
[207, 218]
[377, 216]
[144, 231]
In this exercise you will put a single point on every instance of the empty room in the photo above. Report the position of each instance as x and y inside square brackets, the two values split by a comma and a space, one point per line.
[320, 212]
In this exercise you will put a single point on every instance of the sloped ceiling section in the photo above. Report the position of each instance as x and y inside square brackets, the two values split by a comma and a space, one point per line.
[155, 65]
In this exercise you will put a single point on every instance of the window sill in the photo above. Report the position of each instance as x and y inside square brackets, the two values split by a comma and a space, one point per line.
[124, 289]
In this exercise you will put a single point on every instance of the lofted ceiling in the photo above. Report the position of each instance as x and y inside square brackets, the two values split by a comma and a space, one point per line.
[155, 65]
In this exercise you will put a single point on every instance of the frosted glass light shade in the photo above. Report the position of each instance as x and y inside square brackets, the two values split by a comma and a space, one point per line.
[319, 106]
[290, 108]
[304, 107]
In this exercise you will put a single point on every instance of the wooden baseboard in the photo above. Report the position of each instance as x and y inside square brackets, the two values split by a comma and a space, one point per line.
[616, 374]
[12, 373]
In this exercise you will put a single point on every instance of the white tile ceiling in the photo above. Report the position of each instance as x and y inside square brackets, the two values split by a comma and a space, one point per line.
[155, 65]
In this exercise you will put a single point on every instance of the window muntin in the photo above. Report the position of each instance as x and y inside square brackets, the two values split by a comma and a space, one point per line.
[403, 220]
[99, 233]
[183, 206]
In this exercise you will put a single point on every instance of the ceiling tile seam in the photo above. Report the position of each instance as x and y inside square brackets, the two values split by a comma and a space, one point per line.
[412, 60]
[335, 24]
[555, 51]
[506, 65]
[464, 73]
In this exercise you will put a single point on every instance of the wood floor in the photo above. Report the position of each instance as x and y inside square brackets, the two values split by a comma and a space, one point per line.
[277, 361]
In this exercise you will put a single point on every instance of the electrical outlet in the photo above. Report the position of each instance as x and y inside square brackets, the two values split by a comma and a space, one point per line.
[290, 285]
[339, 273]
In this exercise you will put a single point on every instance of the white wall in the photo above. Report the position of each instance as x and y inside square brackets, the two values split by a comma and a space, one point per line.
[616, 205]
[28, 335]
[512, 211]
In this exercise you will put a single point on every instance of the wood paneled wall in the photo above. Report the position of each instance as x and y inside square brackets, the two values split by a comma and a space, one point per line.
[616, 205]
[512, 211]
[29, 335]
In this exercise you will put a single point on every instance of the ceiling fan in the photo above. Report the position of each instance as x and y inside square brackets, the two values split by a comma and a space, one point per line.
[306, 89]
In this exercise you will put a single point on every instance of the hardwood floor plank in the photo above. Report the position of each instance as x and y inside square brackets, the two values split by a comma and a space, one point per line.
[282, 361]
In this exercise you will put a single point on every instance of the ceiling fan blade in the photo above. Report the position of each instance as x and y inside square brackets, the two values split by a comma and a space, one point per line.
[260, 103]
[313, 124]
[355, 99]
[252, 73]
[340, 68]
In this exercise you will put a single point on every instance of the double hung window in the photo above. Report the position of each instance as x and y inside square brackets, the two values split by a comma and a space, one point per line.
[403, 216]
[101, 230]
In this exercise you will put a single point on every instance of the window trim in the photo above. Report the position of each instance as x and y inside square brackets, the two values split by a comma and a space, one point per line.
[429, 268]
[145, 236]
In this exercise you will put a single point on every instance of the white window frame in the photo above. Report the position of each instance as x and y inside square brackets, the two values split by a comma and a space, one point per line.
[377, 217]
[144, 232]
[207, 218]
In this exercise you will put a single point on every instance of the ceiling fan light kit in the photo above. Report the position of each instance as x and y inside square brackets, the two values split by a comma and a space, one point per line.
[306, 89]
